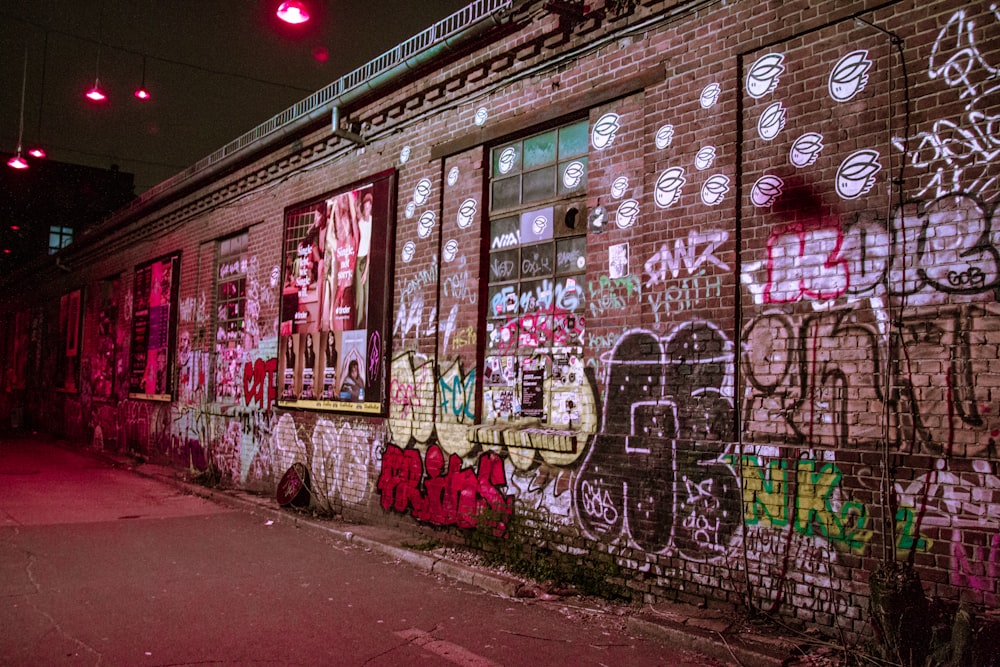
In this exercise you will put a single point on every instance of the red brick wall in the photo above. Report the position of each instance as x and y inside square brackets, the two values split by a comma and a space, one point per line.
[784, 340]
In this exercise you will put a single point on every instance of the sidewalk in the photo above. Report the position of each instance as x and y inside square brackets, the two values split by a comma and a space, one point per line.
[714, 633]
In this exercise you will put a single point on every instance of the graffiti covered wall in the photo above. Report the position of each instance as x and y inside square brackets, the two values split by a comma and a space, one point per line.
[706, 289]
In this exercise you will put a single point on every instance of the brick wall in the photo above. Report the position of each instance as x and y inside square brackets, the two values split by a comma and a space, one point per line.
[786, 313]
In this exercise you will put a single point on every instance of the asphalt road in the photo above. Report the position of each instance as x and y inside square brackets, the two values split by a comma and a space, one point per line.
[101, 566]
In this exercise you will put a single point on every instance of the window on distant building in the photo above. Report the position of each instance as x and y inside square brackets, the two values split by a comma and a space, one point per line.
[231, 301]
[59, 238]
[537, 267]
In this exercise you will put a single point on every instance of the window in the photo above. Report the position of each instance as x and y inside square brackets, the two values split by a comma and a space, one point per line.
[231, 300]
[536, 269]
[59, 238]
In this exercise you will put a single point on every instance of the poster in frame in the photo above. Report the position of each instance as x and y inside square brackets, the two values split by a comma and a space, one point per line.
[68, 353]
[154, 328]
[336, 299]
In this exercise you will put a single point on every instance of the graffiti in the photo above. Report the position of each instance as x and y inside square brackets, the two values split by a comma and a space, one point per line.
[460, 287]
[805, 262]
[607, 295]
[926, 253]
[563, 294]
[655, 473]
[260, 383]
[686, 294]
[458, 393]
[339, 456]
[966, 504]
[544, 328]
[448, 494]
[806, 503]
[801, 378]
[193, 309]
[959, 155]
[411, 318]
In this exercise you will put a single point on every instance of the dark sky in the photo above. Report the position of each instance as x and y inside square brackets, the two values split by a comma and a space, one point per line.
[216, 68]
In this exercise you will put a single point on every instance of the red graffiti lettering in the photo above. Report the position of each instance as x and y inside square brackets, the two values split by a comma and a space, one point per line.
[805, 262]
[259, 377]
[452, 495]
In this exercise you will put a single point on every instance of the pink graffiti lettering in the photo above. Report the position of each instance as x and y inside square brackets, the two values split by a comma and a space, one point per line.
[260, 376]
[805, 262]
[451, 495]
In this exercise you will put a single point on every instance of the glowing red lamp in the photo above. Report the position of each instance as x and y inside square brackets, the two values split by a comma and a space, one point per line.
[142, 93]
[38, 152]
[95, 94]
[17, 162]
[293, 11]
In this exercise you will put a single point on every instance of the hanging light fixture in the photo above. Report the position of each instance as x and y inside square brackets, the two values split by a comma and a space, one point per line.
[293, 11]
[18, 162]
[142, 93]
[37, 151]
[95, 94]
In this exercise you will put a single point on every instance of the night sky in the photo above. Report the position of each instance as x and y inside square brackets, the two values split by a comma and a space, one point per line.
[215, 68]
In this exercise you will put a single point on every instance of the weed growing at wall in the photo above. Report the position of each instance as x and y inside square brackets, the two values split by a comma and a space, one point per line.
[524, 551]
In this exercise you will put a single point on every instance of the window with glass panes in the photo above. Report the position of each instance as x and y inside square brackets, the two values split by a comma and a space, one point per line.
[59, 238]
[231, 299]
[536, 272]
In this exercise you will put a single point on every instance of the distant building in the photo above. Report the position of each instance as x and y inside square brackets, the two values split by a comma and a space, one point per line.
[42, 209]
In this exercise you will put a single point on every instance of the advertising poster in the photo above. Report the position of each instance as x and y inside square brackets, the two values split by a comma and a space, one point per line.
[67, 357]
[335, 295]
[154, 329]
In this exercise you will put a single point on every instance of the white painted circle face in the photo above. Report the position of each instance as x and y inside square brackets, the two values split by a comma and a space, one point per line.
[856, 174]
[506, 160]
[664, 136]
[408, 249]
[425, 224]
[604, 130]
[668, 187]
[410, 210]
[539, 224]
[467, 212]
[422, 192]
[450, 250]
[453, 174]
[573, 175]
[766, 190]
[627, 213]
[404, 154]
[806, 149]
[709, 95]
[705, 157]
[481, 115]
[714, 189]
[619, 187]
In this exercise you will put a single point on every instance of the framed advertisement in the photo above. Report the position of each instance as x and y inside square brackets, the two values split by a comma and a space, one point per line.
[336, 295]
[154, 328]
[68, 353]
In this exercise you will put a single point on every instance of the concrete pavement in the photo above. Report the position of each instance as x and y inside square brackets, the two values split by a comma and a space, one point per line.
[100, 565]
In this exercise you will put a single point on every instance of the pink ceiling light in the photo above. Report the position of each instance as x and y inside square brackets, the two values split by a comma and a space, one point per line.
[142, 93]
[95, 94]
[18, 162]
[293, 11]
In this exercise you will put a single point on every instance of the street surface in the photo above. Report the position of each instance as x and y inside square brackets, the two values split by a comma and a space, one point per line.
[101, 566]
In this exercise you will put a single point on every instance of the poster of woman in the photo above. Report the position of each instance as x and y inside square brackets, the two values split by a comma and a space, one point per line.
[336, 298]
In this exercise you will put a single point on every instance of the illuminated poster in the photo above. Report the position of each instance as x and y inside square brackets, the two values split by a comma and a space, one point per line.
[154, 329]
[68, 354]
[335, 299]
